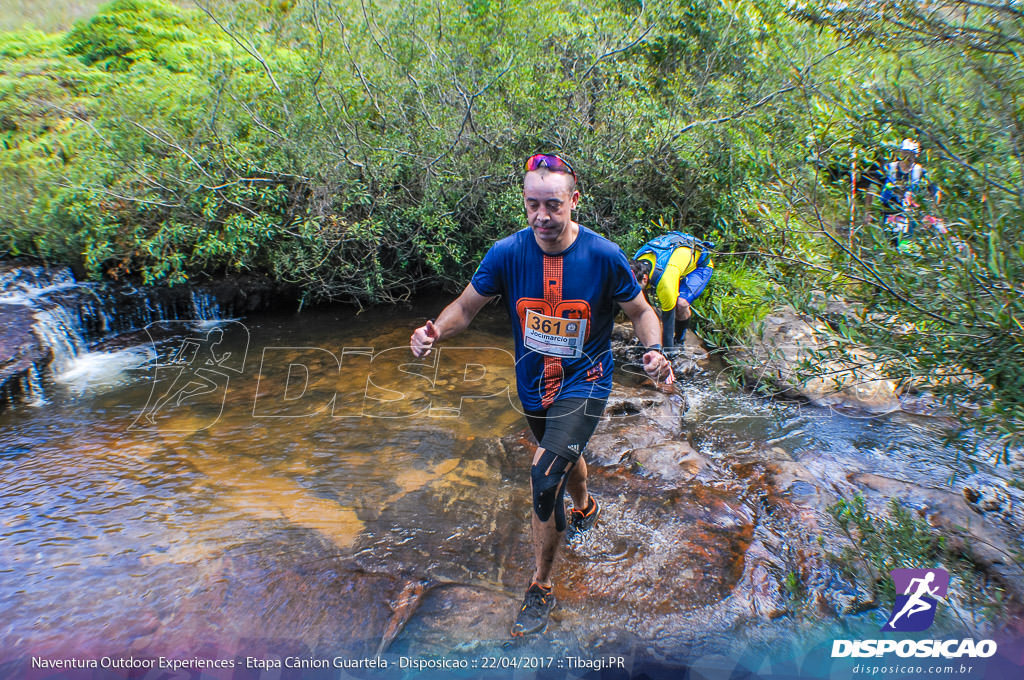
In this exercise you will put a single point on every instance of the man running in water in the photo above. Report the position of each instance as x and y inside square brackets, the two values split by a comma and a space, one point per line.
[560, 283]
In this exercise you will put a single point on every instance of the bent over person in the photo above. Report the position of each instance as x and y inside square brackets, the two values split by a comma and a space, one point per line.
[679, 267]
[560, 283]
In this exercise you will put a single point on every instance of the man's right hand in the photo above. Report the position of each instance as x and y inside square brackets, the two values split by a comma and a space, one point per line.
[422, 339]
[658, 367]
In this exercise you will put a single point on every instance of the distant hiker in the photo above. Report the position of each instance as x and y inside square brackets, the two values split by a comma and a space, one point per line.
[906, 183]
[560, 283]
[678, 267]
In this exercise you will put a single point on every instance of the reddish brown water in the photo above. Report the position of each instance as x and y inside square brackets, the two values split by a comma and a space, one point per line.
[307, 493]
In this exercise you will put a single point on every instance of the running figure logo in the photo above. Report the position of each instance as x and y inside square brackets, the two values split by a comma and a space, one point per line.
[192, 372]
[917, 590]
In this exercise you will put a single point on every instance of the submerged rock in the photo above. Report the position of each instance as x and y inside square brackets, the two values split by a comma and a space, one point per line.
[988, 494]
[635, 419]
[477, 616]
[675, 461]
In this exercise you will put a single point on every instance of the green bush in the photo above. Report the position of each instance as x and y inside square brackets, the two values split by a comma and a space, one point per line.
[738, 296]
[273, 138]
[124, 32]
[881, 544]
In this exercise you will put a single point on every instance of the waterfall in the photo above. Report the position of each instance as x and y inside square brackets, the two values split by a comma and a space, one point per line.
[24, 388]
[205, 306]
[60, 330]
[69, 319]
[22, 285]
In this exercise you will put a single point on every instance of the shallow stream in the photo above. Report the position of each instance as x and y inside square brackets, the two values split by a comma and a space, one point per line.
[283, 483]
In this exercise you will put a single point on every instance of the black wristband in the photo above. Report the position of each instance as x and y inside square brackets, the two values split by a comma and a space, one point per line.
[656, 347]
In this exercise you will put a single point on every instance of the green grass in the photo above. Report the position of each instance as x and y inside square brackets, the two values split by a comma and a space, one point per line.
[737, 296]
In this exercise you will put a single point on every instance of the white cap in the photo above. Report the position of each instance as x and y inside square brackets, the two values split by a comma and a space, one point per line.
[910, 145]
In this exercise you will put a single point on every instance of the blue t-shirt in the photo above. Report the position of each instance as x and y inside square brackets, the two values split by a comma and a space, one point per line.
[583, 282]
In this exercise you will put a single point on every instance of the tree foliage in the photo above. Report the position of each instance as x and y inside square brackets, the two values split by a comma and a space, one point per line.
[364, 150]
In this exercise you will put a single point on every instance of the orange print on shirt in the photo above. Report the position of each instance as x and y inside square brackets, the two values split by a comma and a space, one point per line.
[566, 309]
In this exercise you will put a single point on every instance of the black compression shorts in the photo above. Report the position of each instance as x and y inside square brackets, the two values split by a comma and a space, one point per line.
[565, 427]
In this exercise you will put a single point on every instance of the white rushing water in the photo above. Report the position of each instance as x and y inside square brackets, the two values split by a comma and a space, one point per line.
[25, 285]
[94, 372]
[71, 317]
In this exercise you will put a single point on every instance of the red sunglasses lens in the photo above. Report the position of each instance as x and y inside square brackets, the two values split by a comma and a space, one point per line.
[550, 162]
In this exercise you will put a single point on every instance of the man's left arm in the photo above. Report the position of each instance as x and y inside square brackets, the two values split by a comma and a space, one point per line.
[647, 327]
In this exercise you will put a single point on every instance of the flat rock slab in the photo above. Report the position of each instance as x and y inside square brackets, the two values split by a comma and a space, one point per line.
[662, 545]
[278, 594]
[656, 550]
[654, 556]
[459, 618]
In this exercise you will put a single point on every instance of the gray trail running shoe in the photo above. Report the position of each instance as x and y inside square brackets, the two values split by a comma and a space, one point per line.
[533, 615]
[580, 521]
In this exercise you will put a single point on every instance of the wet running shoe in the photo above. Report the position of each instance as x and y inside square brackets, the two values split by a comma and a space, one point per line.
[580, 521]
[533, 615]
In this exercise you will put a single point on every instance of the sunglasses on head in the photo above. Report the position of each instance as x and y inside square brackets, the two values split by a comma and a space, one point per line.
[549, 161]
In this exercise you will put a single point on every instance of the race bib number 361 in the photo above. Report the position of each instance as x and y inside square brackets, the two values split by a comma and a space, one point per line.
[554, 336]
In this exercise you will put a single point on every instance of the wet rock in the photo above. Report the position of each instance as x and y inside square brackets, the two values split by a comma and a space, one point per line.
[691, 358]
[923, 404]
[634, 419]
[261, 494]
[622, 333]
[449, 533]
[404, 606]
[687, 359]
[478, 616]
[767, 596]
[674, 461]
[988, 494]
[838, 596]
[625, 404]
[359, 604]
[656, 551]
[799, 357]
[266, 589]
[953, 375]
[991, 541]
[802, 487]
[20, 350]
[788, 568]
